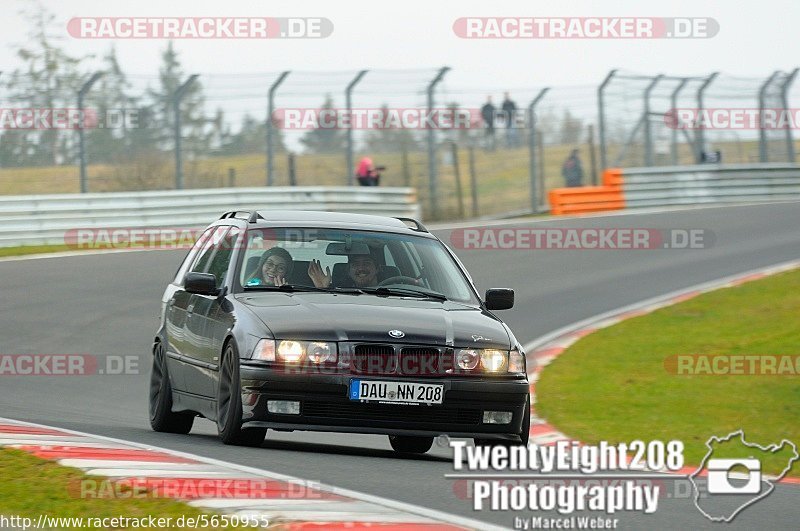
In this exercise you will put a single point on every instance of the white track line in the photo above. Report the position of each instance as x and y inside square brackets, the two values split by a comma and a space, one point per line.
[424, 512]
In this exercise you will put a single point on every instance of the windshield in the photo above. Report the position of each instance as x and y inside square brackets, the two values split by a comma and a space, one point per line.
[374, 263]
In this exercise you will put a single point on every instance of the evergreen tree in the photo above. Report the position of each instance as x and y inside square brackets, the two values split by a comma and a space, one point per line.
[325, 139]
[48, 79]
[194, 134]
[390, 139]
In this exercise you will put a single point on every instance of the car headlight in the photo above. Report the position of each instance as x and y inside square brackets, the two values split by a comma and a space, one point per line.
[468, 358]
[494, 360]
[291, 351]
[316, 352]
[321, 352]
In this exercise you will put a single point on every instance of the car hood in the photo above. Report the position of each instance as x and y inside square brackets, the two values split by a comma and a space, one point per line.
[336, 317]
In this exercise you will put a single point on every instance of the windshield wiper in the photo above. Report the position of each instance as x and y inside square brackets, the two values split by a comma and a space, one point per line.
[406, 292]
[285, 287]
[296, 288]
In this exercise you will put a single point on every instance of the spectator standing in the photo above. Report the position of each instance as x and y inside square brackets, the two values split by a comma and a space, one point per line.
[488, 114]
[572, 170]
[509, 111]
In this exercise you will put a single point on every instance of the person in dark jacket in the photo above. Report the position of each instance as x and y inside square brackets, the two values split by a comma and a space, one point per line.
[487, 113]
[572, 170]
[509, 111]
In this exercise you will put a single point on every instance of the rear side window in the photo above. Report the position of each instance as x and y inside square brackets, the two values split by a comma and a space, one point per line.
[221, 261]
[201, 241]
[204, 256]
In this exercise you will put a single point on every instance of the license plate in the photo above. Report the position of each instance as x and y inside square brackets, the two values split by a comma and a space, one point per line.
[396, 392]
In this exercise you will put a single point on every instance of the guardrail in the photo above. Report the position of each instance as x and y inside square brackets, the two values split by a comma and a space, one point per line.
[701, 184]
[681, 185]
[44, 219]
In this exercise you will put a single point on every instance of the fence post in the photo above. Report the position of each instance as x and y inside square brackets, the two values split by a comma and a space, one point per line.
[81, 126]
[432, 164]
[292, 175]
[648, 128]
[532, 167]
[592, 157]
[699, 134]
[176, 105]
[540, 147]
[348, 97]
[231, 177]
[473, 181]
[404, 164]
[673, 102]
[601, 118]
[790, 154]
[270, 143]
[457, 172]
[763, 156]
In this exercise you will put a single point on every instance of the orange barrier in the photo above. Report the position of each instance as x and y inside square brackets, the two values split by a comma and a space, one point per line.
[584, 199]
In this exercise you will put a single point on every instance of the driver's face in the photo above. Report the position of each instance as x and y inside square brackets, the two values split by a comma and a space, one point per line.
[363, 271]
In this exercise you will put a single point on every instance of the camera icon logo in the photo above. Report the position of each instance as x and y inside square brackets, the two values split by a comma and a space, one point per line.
[719, 476]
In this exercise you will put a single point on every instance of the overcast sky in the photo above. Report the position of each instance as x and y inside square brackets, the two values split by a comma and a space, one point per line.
[417, 36]
[754, 39]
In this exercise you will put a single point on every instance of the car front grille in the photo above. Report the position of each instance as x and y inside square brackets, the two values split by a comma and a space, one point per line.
[381, 359]
[390, 413]
[423, 361]
[373, 359]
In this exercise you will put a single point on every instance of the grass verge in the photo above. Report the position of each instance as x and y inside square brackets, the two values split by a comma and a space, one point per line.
[614, 384]
[32, 486]
[32, 249]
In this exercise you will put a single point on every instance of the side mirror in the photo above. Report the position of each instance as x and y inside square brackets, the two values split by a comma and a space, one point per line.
[499, 298]
[201, 283]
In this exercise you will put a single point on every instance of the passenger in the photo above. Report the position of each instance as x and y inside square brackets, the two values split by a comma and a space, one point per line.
[273, 269]
[362, 270]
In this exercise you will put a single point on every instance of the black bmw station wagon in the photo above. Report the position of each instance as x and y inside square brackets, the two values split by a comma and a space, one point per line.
[291, 320]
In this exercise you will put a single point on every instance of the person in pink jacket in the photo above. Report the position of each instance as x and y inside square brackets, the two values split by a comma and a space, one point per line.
[366, 173]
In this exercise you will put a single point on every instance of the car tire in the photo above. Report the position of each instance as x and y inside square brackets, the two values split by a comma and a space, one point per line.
[229, 404]
[162, 418]
[405, 444]
[524, 433]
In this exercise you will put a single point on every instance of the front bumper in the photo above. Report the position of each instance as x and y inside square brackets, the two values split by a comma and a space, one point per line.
[325, 406]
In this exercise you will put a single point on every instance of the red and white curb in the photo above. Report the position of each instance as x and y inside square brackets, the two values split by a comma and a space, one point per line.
[210, 484]
[544, 350]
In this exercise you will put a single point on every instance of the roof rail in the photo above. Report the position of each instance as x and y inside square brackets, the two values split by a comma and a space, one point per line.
[413, 224]
[254, 216]
[232, 214]
[250, 216]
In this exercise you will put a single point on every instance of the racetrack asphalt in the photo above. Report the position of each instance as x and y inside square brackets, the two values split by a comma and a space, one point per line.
[108, 304]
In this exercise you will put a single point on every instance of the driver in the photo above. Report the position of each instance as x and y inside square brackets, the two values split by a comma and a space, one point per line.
[362, 270]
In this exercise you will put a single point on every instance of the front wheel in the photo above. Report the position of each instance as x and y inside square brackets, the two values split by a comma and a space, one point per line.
[405, 444]
[162, 418]
[229, 404]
